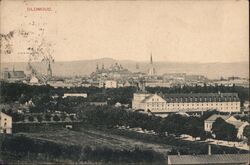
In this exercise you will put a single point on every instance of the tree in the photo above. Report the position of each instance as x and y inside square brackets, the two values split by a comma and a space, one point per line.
[47, 117]
[224, 130]
[56, 118]
[40, 118]
[31, 118]
[72, 117]
[246, 132]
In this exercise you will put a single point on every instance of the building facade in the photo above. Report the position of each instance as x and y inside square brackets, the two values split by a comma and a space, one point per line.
[110, 84]
[192, 102]
[84, 95]
[5, 123]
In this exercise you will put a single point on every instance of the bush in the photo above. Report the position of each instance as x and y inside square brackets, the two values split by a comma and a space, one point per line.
[31, 118]
[56, 118]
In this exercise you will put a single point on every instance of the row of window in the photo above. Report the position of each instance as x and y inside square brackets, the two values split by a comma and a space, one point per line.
[203, 108]
[201, 99]
[216, 104]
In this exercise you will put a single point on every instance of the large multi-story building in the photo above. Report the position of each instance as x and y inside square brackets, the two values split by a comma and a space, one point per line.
[192, 102]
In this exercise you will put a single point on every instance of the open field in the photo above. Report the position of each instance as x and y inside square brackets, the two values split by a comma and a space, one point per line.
[94, 138]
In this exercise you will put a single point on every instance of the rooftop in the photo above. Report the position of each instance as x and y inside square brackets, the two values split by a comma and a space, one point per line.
[215, 116]
[209, 159]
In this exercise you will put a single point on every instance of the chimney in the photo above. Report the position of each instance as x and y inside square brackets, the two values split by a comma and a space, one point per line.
[179, 154]
[209, 149]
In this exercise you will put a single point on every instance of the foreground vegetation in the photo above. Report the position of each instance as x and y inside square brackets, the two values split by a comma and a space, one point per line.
[84, 146]
[88, 144]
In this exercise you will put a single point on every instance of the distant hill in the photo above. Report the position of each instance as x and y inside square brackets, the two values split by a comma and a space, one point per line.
[85, 67]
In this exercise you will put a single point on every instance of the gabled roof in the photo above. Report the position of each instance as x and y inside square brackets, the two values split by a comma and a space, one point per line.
[237, 124]
[1, 113]
[209, 159]
[215, 116]
[147, 98]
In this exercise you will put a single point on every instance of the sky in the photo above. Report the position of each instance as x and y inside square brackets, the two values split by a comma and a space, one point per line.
[174, 31]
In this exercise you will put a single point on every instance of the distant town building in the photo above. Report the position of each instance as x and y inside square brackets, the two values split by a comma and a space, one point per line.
[152, 70]
[5, 123]
[13, 75]
[116, 71]
[110, 84]
[195, 78]
[174, 76]
[192, 102]
[157, 83]
[84, 95]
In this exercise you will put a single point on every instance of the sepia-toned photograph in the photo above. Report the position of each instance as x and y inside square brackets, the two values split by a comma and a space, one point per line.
[121, 82]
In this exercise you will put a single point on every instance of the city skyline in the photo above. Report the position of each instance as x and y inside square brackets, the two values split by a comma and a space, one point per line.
[210, 32]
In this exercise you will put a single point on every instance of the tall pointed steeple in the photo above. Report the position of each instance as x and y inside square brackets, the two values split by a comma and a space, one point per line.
[49, 70]
[151, 71]
[97, 67]
[151, 59]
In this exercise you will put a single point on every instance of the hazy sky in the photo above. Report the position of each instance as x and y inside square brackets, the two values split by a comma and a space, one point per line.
[181, 31]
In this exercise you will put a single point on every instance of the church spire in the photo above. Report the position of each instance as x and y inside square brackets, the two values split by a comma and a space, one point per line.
[151, 59]
[97, 67]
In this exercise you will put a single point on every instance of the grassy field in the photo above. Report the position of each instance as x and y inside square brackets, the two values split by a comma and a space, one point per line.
[94, 138]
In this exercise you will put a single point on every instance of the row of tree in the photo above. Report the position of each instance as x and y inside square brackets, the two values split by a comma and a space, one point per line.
[110, 117]
[22, 92]
[175, 124]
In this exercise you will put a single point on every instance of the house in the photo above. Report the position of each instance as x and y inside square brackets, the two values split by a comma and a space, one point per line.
[5, 123]
[217, 159]
[98, 103]
[208, 123]
[239, 125]
[84, 95]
